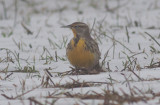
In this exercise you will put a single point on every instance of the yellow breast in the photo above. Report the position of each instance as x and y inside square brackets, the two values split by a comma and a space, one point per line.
[79, 56]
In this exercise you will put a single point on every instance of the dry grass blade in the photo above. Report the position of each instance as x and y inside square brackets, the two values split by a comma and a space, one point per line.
[136, 75]
[119, 43]
[128, 84]
[34, 101]
[153, 65]
[153, 38]
[75, 71]
[7, 76]
[127, 33]
[84, 96]
[26, 28]
[77, 84]
[49, 77]
[93, 26]
[112, 97]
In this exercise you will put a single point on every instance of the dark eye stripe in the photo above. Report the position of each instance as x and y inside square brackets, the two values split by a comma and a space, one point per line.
[78, 26]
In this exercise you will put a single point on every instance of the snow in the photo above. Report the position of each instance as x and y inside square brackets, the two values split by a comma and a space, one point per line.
[46, 49]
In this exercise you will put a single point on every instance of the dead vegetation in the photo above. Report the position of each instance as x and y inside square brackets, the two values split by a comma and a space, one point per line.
[107, 96]
[75, 71]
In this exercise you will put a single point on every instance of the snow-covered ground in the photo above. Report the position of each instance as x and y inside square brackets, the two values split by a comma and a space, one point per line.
[32, 41]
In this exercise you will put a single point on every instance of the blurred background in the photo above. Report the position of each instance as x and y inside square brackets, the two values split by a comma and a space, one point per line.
[31, 27]
[32, 41]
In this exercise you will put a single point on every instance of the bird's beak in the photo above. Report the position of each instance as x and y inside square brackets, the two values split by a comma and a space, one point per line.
[68, 26]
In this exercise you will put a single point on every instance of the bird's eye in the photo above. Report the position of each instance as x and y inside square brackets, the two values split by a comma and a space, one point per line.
[76, 26]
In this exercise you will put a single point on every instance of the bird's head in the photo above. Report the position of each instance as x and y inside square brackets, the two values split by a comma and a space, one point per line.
[79, 29]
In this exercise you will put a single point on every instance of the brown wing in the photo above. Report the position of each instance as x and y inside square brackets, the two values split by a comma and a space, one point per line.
[69, 47]
[93, 47]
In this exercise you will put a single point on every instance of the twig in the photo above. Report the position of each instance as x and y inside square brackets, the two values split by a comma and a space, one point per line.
[35, 101]
[7, 97]
[11, 98]
[49, 75]
[27, 91]
[8, 76]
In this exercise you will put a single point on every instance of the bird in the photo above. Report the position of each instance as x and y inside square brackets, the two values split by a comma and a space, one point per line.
[82, 51]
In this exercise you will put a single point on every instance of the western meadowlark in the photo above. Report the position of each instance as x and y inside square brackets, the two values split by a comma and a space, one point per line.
[82, 51]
